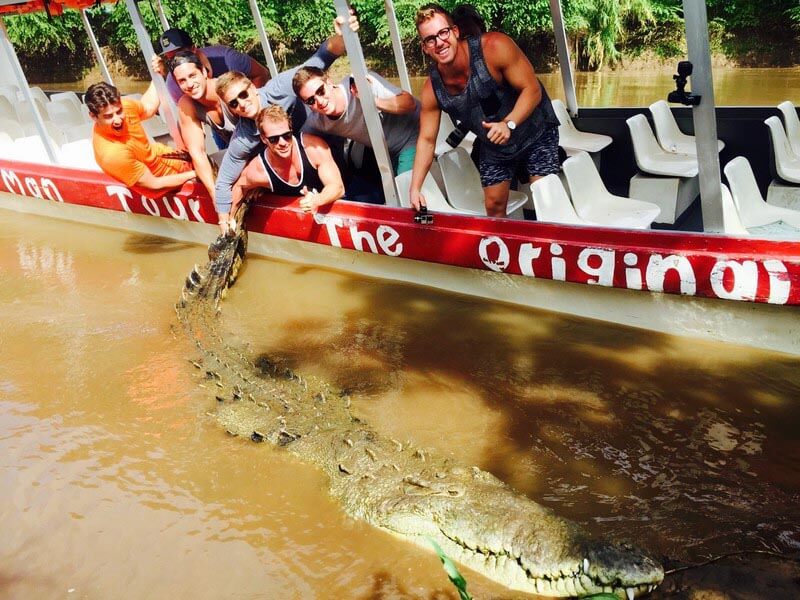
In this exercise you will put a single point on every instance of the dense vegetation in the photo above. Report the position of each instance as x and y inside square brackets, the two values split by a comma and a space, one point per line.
[602, 32]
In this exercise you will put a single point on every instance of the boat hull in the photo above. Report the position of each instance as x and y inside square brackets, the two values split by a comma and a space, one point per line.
[709, 287]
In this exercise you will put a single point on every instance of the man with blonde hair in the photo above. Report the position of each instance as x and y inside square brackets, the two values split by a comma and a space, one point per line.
[487, 84]
[291, 164]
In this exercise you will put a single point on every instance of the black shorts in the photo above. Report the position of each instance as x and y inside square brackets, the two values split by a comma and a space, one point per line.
[540, 158]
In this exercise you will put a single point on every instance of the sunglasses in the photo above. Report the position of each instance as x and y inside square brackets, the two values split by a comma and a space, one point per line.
[442, 34]
[318, 94]
[285, 136]
[234, 104]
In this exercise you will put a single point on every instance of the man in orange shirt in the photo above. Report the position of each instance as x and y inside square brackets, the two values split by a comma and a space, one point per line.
[122, 148]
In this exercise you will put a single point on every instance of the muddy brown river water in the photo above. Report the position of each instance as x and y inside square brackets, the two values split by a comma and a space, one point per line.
[115, 483]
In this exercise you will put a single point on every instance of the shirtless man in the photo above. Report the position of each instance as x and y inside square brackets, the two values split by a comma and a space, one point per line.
[488, 85]
[122, 148]
[291, 164]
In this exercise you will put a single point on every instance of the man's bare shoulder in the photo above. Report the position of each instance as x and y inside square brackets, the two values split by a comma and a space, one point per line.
[497, 46]
[187, 106]
[314, 141]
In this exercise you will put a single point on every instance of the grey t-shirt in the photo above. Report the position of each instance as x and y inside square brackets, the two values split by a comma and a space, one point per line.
[401, 131]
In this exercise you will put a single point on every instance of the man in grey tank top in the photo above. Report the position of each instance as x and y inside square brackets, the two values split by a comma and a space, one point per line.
[489, 85]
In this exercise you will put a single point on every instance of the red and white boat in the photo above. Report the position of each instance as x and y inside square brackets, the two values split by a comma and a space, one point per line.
[738, 290]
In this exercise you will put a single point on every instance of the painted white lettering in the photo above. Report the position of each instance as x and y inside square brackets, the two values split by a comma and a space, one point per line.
[123, 194]
[779, 284]
[150, 206]
[558, 265]
[388, 237]
[33, 187]
[12, 182]
[50, 190]
[194, 206]
[330, 226]
[527, 254]
[657, 269]
[360, 237]
[745, 279]
[503, 255]
[603, 271]
[633, 277]
[179, 213]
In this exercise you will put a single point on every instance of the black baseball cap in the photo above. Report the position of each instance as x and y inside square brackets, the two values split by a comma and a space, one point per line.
[175, 39]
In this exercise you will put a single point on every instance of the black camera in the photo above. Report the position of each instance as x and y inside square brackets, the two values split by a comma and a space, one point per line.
[680, 95]
[423, 217]
[456, 136]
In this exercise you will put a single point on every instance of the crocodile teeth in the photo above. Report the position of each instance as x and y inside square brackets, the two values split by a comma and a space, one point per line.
[586, 565]
[630, 593]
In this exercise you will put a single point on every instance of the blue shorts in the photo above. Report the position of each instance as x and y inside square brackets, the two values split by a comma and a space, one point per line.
[540, 158]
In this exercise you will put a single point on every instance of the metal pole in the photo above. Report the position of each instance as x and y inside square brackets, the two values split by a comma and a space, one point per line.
[11, 57]
[704, 115]
[371, 115]
[565, 65]
[166, 105]
[101, 61]
[254, 10]
[397, 47]
[161, 16]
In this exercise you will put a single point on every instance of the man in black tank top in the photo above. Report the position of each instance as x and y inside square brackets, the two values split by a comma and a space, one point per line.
[291, 164]
[488, 85]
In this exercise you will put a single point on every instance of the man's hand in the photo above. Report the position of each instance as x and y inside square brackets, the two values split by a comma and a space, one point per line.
[352, 22]
[498, 133]
[310, 200]
[158, 65]
[417, 199]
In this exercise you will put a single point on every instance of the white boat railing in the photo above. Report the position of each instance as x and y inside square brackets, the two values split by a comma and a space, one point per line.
[373, 120]
[101, 61]
[397, 47]
[162, 17]
[564, 62]
[704, 114]
[262, 34]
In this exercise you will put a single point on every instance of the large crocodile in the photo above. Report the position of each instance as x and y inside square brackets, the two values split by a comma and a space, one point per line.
[412, 492]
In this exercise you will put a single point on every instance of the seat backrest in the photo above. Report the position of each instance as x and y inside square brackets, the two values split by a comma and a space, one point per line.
[7, 109]
[64, 112]
[667, 130]
[70, 97]
[38, 94]
[25, 112]
[434, 199]
[561, 112]
[731, 221]
[79, 154]
[12, 128]
[462, 182]
[782, 151]
[82, 131]
[552, 202]
[792, 123]
[585, 184]
[743, 186]
[10, 91]
[644, 142]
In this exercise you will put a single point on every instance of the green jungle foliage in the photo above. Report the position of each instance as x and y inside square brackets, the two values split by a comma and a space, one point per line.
[602, 33]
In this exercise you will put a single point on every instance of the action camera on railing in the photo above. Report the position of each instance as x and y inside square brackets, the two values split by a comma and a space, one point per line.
[423, 217]
[680, 95]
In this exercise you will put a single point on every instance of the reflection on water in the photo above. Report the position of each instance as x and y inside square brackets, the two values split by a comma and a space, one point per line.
[115, 483]
[636, 88]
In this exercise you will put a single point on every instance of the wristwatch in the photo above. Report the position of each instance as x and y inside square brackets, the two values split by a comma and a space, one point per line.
[511, 125]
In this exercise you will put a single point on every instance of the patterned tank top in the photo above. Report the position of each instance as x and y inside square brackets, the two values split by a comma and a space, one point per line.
[309, 177]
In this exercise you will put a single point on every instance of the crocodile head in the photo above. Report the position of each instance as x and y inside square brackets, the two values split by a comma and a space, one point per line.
[522, 545]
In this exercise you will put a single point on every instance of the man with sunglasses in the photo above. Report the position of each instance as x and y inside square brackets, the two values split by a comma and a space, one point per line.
[245, 100]
[487, 84]
[336, 110]
[290, 164]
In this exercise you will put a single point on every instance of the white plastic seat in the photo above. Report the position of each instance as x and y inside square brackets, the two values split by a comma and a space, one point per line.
[731, 221]
[787, 164]
[594, 203]
[792, 124]
[434, 199]
[82, 131]
[70, 97]
[12, 128]
[155, 127]
[38, 94]
[753, 210]
[30, 149]
[571, 139]
[64, 112]
[552, 202]
[80, 155]
[462, 184]
[25, 114]
[670, 137]
[7, 110]
[652, 158]
[11, 92]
